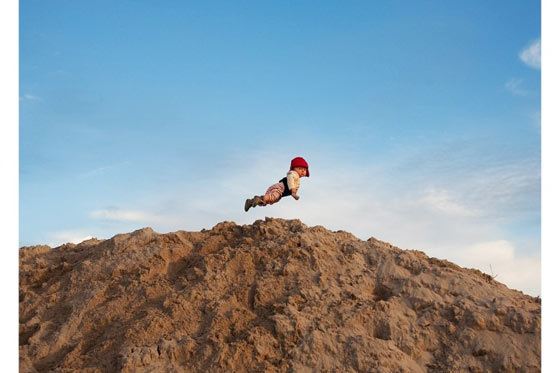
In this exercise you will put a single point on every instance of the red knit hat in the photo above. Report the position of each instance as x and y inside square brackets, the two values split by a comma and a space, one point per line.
[299, 162]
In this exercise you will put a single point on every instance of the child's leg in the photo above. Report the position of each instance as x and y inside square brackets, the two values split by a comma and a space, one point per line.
[273, 193]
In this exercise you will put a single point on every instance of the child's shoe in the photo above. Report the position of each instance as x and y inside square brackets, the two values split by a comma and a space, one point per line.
[248, 204]
[254, 202]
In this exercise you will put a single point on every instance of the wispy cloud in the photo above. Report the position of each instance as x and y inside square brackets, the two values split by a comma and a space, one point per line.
[441, 201]
[100, 170]
[116, 214]
[514, 87]
[531, 55]
[29, 97]
[92, 173]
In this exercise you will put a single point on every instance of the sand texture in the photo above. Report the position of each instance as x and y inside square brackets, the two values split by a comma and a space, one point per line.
[274, 296]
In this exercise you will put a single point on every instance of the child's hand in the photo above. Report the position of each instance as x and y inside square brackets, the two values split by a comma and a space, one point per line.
[295, 196]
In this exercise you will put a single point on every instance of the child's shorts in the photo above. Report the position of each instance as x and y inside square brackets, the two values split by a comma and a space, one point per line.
[274, 192]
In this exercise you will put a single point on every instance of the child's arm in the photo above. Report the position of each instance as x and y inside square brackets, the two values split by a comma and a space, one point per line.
[293, 183]
[294, 193]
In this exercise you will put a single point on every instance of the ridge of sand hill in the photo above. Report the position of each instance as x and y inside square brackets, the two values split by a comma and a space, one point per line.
[274, 296]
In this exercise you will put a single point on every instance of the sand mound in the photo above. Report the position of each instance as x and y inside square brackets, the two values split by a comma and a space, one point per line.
[274, 296]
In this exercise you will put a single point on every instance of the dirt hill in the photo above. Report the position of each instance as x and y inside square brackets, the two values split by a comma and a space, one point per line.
[274, 296]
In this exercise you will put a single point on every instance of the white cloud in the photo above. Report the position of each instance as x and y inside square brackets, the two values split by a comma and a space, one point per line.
[514, 87]
[491, 251]
[531, 55]
[498, 258]
[58, 238]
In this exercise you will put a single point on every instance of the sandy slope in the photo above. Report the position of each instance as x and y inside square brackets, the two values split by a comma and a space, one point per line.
[274, 296]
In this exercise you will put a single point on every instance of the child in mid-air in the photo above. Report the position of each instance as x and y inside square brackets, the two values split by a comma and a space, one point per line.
[288, 186]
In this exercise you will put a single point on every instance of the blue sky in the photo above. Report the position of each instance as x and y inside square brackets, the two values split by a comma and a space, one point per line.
[421, 121]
